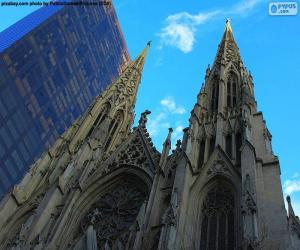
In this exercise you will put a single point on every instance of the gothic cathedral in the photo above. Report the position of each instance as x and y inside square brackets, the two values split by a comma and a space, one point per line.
[103, 185]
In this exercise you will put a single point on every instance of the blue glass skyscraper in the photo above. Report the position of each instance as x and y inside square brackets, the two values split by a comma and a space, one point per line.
[53, 63]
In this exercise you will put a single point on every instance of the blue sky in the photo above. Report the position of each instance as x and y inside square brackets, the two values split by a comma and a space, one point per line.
[185, 37]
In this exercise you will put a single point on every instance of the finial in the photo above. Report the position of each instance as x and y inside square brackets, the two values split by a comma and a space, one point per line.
[288, 199]
[228, 25]
[143, 119]
[168, 139]
[178, 144]
[149, 43]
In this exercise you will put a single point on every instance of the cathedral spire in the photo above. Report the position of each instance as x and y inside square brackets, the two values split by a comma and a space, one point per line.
[140, 60]
[112, 112]
[228, 26]
[228, 49]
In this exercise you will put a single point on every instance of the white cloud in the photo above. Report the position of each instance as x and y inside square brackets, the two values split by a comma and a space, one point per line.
[291, 186]
[296, 175]
[155, 124]
[296, 207]
[180, 29]
[158, 125]
[170, 104]
[245, 6]
[177, 134]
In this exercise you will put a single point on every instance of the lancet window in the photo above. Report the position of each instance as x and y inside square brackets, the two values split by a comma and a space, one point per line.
[113, 127]
[102, 114]
[231, 90]
[228, 144]
[218, 220]
[215, 96]
[201, 153]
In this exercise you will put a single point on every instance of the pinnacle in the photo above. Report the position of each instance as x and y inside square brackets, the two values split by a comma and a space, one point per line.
[228, 25]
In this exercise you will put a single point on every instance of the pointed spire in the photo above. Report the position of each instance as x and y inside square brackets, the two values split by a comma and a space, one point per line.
[290, 208]
[140, 60]
[125, 89]
[228, 49]
[294, 220]
[166, 150]
[228, 26]
[168, 139]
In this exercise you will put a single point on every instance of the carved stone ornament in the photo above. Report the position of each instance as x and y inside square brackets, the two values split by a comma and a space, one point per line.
[249, 203]
[133, 155]
[218, 168]
[114, 213]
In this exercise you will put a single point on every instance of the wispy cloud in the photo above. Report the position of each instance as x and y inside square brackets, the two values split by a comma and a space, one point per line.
[296, 207]
[244, 7]
[180, 28]
[296, 175]
[177, 134]
[167, 111]
[157, 123]
[171, 106]
[291, 186]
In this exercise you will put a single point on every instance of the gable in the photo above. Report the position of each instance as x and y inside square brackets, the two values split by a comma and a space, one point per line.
[218, 166]
[136, 152]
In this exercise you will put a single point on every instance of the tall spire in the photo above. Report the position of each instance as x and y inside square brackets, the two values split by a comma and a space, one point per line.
[140, 60]
[228, 49]
[119, 98]
[228, 28]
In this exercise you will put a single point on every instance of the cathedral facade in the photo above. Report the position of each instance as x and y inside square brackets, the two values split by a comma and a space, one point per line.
[103, 185]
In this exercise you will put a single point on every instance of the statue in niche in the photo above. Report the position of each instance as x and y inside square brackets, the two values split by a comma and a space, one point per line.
[250, 232]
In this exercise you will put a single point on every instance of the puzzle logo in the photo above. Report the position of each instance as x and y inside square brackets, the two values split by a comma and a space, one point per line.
[283, 8]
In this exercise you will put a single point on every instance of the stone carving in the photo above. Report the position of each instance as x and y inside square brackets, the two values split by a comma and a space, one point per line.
[232, 54]
[218, 168]
[249, 211]
[114, 213]
[133, 155]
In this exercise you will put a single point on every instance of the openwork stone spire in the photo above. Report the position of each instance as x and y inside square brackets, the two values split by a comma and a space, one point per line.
[228, 49]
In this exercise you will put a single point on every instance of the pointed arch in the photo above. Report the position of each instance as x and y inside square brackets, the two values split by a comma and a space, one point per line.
[103, 191]
[214, 94]
[114, 127]
[100, 118]
[201, 153]
[231, 89]
[114, 212]
[218, 220]
[17, 228]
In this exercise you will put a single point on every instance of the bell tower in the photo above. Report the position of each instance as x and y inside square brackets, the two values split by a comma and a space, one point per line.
[228, 147]
[220, 188]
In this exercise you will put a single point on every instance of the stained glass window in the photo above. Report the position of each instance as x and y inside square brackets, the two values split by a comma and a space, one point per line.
[217, 225]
